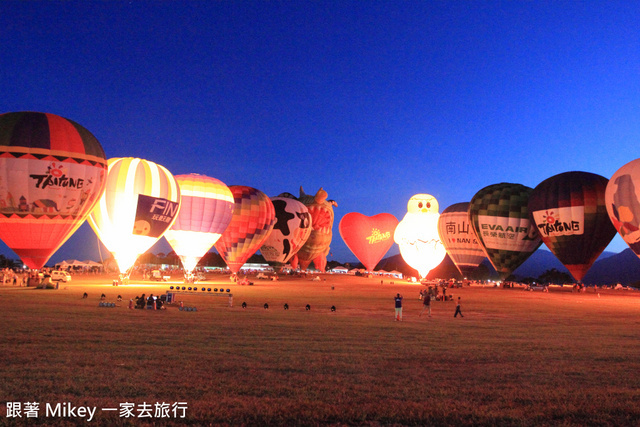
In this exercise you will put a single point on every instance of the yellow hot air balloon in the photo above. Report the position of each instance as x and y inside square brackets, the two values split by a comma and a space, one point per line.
[140, 202]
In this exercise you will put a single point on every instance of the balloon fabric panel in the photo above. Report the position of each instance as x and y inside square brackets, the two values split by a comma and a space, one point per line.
[252, 221]
[368, 237]
[622, 198]
[206, 208]
[290, 231]
[459, 239]
[114, 217]
[52, 172]
[570, 213]
[500, 218]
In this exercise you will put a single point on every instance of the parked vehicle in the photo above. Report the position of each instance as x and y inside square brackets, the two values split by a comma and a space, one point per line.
[60, 276]
[158, 277]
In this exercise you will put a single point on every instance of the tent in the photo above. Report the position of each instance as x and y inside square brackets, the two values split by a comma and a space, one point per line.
[71, 263]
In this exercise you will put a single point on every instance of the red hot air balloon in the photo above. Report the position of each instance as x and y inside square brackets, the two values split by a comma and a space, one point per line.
[368, 237]
[52, 172]
[252, 221]
[570, 214]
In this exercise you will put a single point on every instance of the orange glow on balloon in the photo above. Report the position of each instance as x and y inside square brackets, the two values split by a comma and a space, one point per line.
[368, 237]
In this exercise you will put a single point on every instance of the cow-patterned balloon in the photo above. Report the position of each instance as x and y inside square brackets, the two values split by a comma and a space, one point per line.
[290, 232]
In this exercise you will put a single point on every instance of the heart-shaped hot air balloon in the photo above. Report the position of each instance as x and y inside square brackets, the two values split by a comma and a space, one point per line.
[52, 172]
[368, 237]
[206, 208]
[139, 204]
[459, 239]
[622, 198]
[290, 232]
[570, 214]
[252, 221]
[500, 218]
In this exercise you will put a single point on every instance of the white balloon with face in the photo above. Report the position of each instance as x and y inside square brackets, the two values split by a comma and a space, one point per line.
[417, 234]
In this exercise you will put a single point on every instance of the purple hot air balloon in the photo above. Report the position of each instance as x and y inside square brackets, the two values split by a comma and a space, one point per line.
[206, 210]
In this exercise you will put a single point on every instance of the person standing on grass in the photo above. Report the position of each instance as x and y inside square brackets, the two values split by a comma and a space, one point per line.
[458, 310]
[398, 300]
[426, 305]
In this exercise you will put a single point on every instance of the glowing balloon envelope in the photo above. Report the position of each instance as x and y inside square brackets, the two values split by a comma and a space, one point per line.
[206, 208]
[459, 239]
[500, 218]
[252, 221]
[570, 214]
[317, 245]
[139, 204]
[52, 172]
[290, 232]
[368, 237]
[622, 198]
[417, 235]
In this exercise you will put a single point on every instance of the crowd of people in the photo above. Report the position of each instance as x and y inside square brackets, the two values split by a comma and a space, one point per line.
[151, 302]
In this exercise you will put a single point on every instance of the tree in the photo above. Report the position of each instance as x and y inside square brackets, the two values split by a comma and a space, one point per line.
[555, 276]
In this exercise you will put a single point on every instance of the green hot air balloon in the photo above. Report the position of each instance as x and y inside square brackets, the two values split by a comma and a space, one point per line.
[500, 217]
[571, 216]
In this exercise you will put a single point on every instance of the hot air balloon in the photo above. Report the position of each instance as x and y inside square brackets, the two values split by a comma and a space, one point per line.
[290, 232]
[622, 198]
[570, 214]
[52, 172]
[417, 235]
[318, 244]
[368, 237]
[139, 204]
[459, 239]
[500, 218]
[252, 221]
[206, 208]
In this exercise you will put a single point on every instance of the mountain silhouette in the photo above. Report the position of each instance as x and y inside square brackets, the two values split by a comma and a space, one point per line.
[610, 268]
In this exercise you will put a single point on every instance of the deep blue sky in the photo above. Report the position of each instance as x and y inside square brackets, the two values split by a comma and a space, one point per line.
[374, 101]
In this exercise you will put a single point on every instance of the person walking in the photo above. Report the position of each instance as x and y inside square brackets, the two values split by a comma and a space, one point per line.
[458, 310]
[398, 301]
[426, 305]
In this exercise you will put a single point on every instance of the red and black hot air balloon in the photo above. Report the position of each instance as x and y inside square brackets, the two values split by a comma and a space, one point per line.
[52, 172]
[570, 213]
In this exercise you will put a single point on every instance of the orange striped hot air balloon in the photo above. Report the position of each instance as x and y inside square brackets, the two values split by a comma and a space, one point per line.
[252, 221]
[52, 172]
[205, 212]
[139, 204]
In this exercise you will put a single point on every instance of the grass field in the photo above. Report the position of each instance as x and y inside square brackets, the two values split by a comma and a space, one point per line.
[516, 358]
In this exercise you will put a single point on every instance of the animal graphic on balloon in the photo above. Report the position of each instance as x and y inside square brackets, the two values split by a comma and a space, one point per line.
[417, 234]
[290, 232]
[52, 172]
[317, 245]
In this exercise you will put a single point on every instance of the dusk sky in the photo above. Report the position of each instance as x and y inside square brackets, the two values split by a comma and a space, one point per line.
[373, 101]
